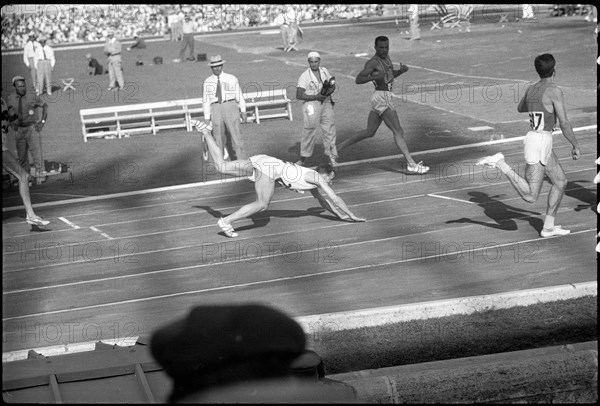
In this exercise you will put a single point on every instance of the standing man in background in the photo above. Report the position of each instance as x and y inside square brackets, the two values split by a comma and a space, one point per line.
[413, 16]
[112, 49]
[26, 125]
[29, 56]
[291, 23]
[188, 40]
[317, 109]
[44, 64]
[223, 104]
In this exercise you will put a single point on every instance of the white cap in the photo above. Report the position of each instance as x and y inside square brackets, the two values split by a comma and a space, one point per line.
[314, 54]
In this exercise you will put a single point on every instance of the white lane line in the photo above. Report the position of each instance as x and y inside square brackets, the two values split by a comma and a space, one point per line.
[470, 251]
[237, 179]
[452, 198]
[64, 220]
[482, 128]
[480, 186]
[376, 316]
[457, 147]
[103, 234]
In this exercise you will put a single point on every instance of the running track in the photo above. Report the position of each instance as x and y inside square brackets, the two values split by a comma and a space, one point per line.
[121, 266]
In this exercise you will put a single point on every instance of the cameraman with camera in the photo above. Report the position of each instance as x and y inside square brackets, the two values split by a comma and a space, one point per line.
[315, 87]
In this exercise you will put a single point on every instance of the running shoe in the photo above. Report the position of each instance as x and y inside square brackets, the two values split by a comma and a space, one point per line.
[556, 231]
[491, 160]
[37, 221]
[227, 229]
[418, 168]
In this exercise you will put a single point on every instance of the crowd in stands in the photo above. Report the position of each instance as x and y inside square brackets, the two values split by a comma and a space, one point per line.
[71, 23]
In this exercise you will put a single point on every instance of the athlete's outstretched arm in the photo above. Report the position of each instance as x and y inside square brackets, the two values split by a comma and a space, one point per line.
[327, 206]
[337, 201]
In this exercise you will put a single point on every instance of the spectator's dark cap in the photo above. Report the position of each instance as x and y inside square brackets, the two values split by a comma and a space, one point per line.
[16, 79]
[216, 61]
[215, 336]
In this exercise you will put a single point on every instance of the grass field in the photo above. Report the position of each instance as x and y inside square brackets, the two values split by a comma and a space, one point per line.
[491, 332]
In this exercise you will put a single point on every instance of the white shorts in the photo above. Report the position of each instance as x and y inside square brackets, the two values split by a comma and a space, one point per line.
[265, 165]
[538, 147]
[381, 101]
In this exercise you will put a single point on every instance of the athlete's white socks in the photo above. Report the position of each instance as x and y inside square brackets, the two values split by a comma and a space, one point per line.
[549, 222]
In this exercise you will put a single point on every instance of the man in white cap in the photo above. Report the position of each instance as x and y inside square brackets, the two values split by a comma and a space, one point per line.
[44, 64]
[315, 89]
[223, 104]
[29, 55]
[112, 49]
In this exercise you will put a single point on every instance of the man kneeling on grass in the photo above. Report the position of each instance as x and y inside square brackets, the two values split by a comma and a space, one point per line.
[264, 171]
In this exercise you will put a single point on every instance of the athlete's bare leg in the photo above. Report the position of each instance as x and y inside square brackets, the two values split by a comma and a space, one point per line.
[241, 167]
[265, 188]
[390, 118]
[528, 187]
[559, 182]
[373, 123]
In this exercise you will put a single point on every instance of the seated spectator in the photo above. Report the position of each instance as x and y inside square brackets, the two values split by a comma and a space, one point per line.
[94, 67]
[239, 354]
[139, 43]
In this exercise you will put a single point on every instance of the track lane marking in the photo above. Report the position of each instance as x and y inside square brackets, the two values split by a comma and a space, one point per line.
[69, 223]
[277, 280]
[237, 179]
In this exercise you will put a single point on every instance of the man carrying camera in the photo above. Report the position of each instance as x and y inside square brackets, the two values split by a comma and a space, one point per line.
[315, 87]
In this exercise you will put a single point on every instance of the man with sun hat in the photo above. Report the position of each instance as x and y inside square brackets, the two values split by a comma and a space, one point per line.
[223, 104]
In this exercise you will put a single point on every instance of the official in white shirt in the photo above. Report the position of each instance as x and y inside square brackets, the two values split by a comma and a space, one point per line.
[44, 64]
[29, 55]
[224, 104]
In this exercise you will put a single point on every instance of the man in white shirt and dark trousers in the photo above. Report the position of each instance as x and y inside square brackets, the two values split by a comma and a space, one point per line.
[317, 109]
[223, 104]
[44, 64]
[29, 56]
[112, 50]
[187, 40]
